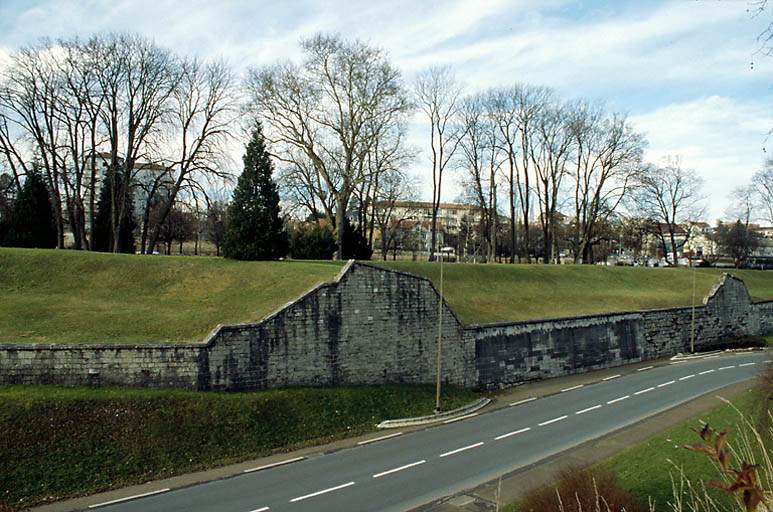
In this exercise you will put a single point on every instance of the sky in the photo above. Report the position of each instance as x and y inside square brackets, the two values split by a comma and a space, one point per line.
[687, 73]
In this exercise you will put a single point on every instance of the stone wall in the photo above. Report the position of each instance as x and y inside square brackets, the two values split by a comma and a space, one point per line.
[374, 325]
[171, 365]
[515, 352]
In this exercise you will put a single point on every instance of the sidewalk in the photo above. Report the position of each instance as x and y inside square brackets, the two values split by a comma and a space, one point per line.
[479, 499]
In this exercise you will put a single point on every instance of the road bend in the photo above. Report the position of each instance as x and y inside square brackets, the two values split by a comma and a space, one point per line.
[408, 470]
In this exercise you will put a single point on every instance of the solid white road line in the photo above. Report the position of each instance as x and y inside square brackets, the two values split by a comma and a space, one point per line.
[275, 464]
[459, 450]
[513, 433]
[368, 441]
[572, 388]
[727, 367]
[610, 378]
[707, 371]
[325, 491]
[589, 409]
[747, 364]
[618, 399]
[645, 368]
[554, 420]
[523, 401]
[687, 377]
[460, 418]
[642, 391]
[666, 384]
[401, 468]
[129, 498]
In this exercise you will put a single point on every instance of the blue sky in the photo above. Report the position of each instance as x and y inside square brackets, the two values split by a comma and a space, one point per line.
[681, 69]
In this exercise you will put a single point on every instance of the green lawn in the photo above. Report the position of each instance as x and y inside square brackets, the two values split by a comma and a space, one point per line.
[62, 442]
[500, 293]
[51, 296]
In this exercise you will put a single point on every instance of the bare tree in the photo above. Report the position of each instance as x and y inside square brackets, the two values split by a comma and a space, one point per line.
[437, 93]
[137, 79]
[607, 153]
[762, 183]
[669, 195]
[203, 105]
[550, 153]
[327, 109]
[30, 95]
[395, 189]
[517, 111]
[481, 160]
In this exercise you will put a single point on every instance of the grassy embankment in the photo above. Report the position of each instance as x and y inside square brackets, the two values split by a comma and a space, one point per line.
[59, 442]
[51, 296]
[499, 293]
[68, 296]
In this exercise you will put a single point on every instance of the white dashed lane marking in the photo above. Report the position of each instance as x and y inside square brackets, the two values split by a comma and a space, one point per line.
[460, 450]
[554, 420]
[324, 491]
[618, 399]
[515, 432]
[642, 391]
[666, 384]
[687, 377]
[589, 409]
[610, 378]
[401, 468]
[705, 372]
[747, 364]
[645, 368]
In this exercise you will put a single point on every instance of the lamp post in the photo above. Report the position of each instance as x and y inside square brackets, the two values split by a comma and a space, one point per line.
[442, 254]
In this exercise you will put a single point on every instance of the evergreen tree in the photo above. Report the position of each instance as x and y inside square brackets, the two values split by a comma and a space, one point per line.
[255, 230]
[312, 243]
[32, 219]
[102, 239]
[355, 245]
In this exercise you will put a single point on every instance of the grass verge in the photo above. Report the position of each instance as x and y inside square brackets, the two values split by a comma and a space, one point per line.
[645, 470]
[63, 442]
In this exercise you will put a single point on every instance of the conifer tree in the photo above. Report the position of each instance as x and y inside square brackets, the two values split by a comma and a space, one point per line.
[255, 230]
[32, 219]
[102, 237]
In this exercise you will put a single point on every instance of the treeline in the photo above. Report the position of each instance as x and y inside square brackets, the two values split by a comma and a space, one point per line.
[145, 129]
[102, 113]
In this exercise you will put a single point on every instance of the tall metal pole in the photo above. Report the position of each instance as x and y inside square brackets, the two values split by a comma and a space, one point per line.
[439, 334]
[692, 327]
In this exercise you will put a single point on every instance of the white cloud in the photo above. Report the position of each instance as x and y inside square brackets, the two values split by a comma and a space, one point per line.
[721, 138]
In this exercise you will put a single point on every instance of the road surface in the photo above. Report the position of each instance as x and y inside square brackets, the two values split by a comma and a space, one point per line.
[403, 471]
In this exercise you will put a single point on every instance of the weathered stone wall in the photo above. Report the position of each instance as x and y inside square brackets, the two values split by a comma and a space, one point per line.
[149, 365]
[372, 325]
[375, 325]
[509, 353]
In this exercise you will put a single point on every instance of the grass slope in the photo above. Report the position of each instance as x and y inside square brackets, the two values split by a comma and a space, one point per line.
[51, 296]
[499, 293]
[63, 442]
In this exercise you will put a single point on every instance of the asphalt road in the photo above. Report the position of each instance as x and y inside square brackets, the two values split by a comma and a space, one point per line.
[407, 470]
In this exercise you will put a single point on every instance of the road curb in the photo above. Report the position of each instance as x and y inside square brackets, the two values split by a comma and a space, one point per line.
[425, 420]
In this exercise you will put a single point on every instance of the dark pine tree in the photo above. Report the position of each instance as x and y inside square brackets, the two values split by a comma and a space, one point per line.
[32, 219]
[355, 246]
[102, 236]
[255, 230]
